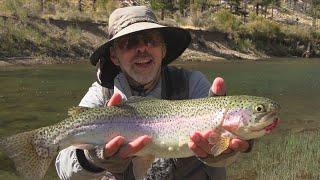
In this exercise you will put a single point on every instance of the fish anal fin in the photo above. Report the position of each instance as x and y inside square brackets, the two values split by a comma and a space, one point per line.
[31, 162]
[76, 110]
[183, 141]
[141, 164]
[84, 146]
[220, 144]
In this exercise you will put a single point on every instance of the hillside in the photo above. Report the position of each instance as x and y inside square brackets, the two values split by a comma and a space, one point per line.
[58, 35]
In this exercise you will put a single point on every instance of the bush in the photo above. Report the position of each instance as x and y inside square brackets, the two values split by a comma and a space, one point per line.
[297, 32]
[260, 28]
[73, 35]
[225, 21]
[14, 8]
[201, 19]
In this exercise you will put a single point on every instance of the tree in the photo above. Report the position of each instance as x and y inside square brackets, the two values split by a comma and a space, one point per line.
[42, 6]
[94, 5]
[275, 3]
[80, 5]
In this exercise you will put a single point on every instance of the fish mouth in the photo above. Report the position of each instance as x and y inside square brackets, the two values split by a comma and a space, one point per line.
[270, 124]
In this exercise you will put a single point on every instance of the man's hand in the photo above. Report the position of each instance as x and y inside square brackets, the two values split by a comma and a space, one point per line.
[199, 143]
[117, 143]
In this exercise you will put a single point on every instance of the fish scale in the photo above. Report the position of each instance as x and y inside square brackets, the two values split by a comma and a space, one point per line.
[168, 122]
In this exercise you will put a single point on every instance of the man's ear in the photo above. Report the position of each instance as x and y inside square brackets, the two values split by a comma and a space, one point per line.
[113, 56]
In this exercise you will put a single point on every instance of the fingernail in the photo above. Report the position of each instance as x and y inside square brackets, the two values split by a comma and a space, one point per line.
[235, 146]
[146, 141]
[120, 142]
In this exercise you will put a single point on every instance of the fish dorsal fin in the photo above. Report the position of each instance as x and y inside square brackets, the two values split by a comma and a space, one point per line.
[135, 99]
[76, 110]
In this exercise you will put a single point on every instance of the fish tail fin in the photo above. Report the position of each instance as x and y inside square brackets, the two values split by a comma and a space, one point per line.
[31, 162]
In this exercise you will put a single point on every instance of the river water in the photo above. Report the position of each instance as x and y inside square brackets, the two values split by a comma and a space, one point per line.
[32, 97]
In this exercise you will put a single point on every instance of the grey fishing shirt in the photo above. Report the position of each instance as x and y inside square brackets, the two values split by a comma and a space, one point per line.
[67, 164]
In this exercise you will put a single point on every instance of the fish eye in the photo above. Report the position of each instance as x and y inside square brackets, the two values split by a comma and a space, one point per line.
[260, 108]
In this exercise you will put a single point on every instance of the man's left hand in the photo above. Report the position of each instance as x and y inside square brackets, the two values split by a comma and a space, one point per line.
[199, 143]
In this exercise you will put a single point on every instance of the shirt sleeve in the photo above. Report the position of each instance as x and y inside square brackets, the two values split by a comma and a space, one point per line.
[67, 163]
[68, 166]
[95, 96]
[198, 85]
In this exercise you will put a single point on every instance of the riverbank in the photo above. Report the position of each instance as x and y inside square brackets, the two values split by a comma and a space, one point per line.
[33, 40]
[31, 61]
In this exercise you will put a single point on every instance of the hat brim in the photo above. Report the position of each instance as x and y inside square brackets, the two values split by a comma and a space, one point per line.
[176, 40]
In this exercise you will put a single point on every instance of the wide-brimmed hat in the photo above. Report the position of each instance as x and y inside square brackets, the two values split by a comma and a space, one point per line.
[127, 20]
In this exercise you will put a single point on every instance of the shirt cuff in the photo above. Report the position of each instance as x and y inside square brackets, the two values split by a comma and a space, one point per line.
[113, 164]
[85, 164]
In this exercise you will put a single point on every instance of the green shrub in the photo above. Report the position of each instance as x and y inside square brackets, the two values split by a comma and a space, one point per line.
[14, 8]
[225, 21]
[244, 44]
[201, 19]
[73, 35]
[260, 28]
[297, 32]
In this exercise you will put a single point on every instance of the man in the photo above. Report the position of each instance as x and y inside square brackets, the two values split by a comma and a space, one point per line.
[133, 62]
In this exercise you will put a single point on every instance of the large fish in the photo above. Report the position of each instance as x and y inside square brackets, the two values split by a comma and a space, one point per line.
[168, 122]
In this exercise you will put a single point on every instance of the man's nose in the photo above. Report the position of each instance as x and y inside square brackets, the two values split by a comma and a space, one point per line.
[141, 45]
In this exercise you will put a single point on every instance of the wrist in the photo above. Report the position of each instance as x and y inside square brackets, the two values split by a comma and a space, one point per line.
[86, 163]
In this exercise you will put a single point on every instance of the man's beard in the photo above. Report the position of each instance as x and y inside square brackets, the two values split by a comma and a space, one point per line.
[140, 78]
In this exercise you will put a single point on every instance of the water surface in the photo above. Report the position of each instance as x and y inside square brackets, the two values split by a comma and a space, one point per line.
[31, 97]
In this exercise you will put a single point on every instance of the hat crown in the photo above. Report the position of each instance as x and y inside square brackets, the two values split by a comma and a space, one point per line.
[123, 17]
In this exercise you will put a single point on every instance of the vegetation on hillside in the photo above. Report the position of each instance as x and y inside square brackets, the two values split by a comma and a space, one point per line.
[55, 28]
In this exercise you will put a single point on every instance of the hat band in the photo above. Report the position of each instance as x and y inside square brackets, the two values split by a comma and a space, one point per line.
[127, 23]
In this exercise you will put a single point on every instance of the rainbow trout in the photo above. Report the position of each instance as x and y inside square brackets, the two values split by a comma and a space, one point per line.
[168, 122]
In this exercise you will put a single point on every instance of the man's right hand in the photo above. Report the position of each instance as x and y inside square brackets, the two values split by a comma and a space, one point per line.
[117, 143]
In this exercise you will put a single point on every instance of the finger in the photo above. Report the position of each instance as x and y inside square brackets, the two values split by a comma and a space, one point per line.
[238, 145]
[196, 150]
[218, 87]
[205, 140]
[115, 99]
[133, 147]
[112, 146]
[210, 134]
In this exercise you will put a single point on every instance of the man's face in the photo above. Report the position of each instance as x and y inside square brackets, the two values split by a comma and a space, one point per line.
[139, 55]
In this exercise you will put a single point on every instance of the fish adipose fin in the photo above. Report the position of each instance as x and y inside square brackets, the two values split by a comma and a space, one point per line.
[220, 144]
[20, 148]
[76, 110]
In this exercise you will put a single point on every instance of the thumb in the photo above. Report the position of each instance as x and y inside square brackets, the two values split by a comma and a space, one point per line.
[115, 100]
[218, 87]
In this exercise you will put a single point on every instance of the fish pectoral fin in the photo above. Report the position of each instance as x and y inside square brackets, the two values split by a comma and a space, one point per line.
[219, 145]
[141, 164]
[73, 111]
[84, 146]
